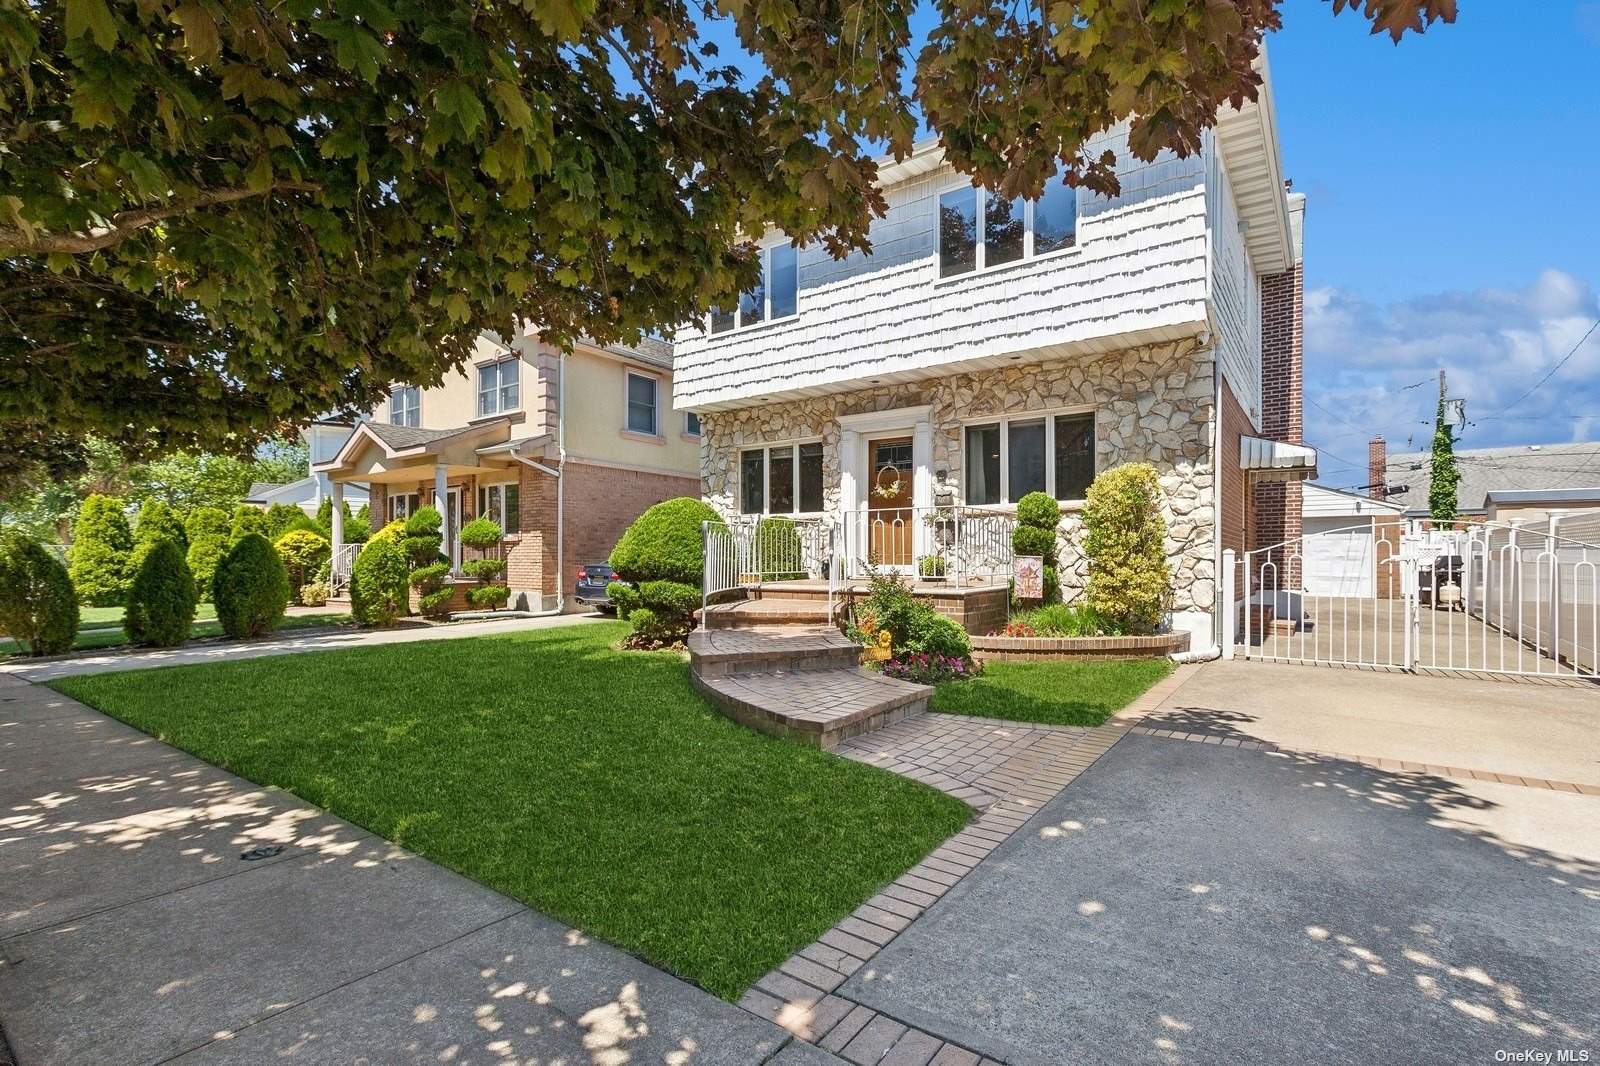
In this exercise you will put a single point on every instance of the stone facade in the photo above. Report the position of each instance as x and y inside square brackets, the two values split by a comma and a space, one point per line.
[1152, 404]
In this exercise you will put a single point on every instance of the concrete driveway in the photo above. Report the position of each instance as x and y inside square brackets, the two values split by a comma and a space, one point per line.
[1195, 901]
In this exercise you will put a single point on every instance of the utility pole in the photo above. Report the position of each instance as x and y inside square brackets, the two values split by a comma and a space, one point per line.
[1444, 478]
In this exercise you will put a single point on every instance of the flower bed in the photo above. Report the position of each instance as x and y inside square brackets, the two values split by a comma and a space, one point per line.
[1029, 649]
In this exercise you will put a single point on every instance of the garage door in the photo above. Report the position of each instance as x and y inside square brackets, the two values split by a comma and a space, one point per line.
[1338, 559]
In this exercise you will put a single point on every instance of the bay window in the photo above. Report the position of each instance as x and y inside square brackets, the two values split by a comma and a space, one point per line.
[1008, 458]
[979, 229]
[775, 295]
[782, 479]
[499, 387]
[500, 504]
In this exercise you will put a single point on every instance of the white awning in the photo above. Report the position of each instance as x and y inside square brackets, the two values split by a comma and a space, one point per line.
[1275, 460]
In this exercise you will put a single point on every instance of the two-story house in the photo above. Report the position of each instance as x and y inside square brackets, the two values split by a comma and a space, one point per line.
[989, 348]
[564, 451]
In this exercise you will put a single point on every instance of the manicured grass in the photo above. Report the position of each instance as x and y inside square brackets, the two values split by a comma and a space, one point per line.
[1064, 693]
[595, 785]
[104, 633]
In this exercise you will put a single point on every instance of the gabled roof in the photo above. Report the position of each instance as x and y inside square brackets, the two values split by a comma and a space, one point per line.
[259, 490]
[397, 441]
[401, 438]
[1528, 467]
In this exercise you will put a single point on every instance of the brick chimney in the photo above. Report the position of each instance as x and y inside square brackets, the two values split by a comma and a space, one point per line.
[1377, 468]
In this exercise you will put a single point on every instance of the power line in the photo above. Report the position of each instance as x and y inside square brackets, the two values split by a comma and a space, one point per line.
[1552, 372]
[1333, 416]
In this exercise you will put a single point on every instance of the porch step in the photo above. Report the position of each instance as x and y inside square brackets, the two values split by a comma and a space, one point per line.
[791, 591]
[765, 612]
[791, 650]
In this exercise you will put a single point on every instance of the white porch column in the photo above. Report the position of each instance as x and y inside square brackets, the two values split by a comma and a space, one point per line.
[850, 521]
[336, 495]
[921, 488]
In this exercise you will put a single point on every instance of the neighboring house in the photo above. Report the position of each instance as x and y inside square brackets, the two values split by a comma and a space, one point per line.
[562, 451]
[323, 439]
[1497, 484]
[986, 349]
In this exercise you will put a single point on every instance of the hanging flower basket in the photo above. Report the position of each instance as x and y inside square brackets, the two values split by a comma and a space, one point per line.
[887, 489]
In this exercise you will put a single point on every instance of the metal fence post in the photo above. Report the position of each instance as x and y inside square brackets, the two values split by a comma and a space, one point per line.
[1225, 602]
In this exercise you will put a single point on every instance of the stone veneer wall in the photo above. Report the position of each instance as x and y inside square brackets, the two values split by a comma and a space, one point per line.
[1153, 404]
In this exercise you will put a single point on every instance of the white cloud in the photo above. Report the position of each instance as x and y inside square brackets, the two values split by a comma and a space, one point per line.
[1371, 367]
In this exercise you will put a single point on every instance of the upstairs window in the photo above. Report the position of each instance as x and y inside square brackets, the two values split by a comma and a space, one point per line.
[405, 407]
[785, 479]
[776, 295]
[641, 404]
[1007, 459]
[979, 229]
[499, 387]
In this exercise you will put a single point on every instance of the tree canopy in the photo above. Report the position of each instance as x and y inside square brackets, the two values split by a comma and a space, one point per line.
[218, 218]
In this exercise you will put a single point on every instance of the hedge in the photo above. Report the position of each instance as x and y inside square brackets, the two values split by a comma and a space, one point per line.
[250, 588]
[207, 528]
[1130, 580]
[161, 600]
[157, 520]
[38, 605]
[247, 520]
[102, 550]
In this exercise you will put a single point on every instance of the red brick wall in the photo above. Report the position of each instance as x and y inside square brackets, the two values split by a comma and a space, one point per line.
[1277, 504]
[1234, 518]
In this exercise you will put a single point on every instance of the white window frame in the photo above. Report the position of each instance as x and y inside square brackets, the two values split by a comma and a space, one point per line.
[407, 508]
[766, 295]
[766, 451]
[627, 403]
[499, 408]
[1004, 422]
[696, 430]
[397, 411]
[981, 251]
[486, 490]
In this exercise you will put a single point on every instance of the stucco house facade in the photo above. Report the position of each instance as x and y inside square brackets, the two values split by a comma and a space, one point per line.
[986, 349]
[563, 450]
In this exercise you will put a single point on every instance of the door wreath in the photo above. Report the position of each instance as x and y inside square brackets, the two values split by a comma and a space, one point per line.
[887, 490]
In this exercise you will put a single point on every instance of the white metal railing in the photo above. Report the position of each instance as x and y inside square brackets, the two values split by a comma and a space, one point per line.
[339, 567]
[750, 550]
[1486, 598]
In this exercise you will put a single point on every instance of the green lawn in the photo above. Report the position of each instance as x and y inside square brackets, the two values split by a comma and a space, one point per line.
[1064, 693]
[101, 627]
[595, 785]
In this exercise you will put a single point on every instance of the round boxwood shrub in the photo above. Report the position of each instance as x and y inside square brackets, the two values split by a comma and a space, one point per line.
[250, 588]
[1130, 581]
[482, 534]
[303, 551]
[38, 605]
[102, 550]
[931, 633]
[157, 521]
[207, 528]
[161, 599]
[247, 520]
[379, 593]
[665, 543]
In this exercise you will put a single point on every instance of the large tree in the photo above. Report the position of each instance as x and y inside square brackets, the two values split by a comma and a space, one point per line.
[218, 217]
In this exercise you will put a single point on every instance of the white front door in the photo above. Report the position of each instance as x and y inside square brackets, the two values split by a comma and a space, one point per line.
[452, 529]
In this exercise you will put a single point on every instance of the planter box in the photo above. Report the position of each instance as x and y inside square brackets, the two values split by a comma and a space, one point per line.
[1038, 649]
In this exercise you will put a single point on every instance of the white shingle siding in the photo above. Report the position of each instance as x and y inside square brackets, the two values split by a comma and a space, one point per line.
[1235, 292]
[1139, 269]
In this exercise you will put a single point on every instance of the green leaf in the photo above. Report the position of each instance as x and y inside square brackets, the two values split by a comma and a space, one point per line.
[92, 17]
[259, 177]
[200, 34]
[456, 99]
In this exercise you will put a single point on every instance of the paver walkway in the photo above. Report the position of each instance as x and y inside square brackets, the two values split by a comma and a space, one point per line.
[139, 924]
[218, 651]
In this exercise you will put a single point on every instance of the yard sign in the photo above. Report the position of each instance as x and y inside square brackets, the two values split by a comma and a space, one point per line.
[1030, 577]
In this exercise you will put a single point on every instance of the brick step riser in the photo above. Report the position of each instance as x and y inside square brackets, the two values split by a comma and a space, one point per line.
[790, 595]
[779, 662]
[827, 738]
[734, 620]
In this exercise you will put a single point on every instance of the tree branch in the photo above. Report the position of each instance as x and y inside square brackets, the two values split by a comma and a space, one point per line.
[15, 241]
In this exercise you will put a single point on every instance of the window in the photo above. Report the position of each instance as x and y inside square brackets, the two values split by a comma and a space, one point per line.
[403, 505]
[1007, 459]
[776, 295]
[641, 404]
[786, 479]
[498, 387]
[499, 503]
[405, 407]
[979, 230]
[691, 423]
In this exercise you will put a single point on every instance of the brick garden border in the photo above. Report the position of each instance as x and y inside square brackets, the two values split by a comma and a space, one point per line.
[1034, 649]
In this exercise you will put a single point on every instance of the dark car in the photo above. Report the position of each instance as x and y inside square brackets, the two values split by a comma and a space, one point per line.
[591, 587]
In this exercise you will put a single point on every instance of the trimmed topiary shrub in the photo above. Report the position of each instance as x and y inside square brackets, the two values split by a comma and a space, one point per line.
[1038, 516]
[485, 570]
[433, 598]
[422, 538]
[1130, 581]
[482, 534]
[250, 588]
[303, 551]
[662, 555]
[161, 599]
[624, 597]
[489, 597]
[207, 529]
[157, 521]
[102, 551]
[247, 520]
[38, 605]
[485, 534]
[379, 593]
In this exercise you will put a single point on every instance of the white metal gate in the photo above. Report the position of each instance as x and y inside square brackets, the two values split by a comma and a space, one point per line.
[1491, 598]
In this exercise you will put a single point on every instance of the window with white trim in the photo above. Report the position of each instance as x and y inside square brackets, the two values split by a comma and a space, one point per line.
[405, 407]
[499, 387]
[501, 504]
[979, 229]
[775, 296]
[1011, 457]
[691, 423]
[641, 416]
[782, 479]
[403, 505]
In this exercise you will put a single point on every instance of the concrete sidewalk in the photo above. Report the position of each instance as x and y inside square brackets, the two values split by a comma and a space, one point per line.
[289, 643]
[140, 924]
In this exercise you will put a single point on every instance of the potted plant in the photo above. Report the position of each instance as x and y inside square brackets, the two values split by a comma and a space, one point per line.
[931, 567]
